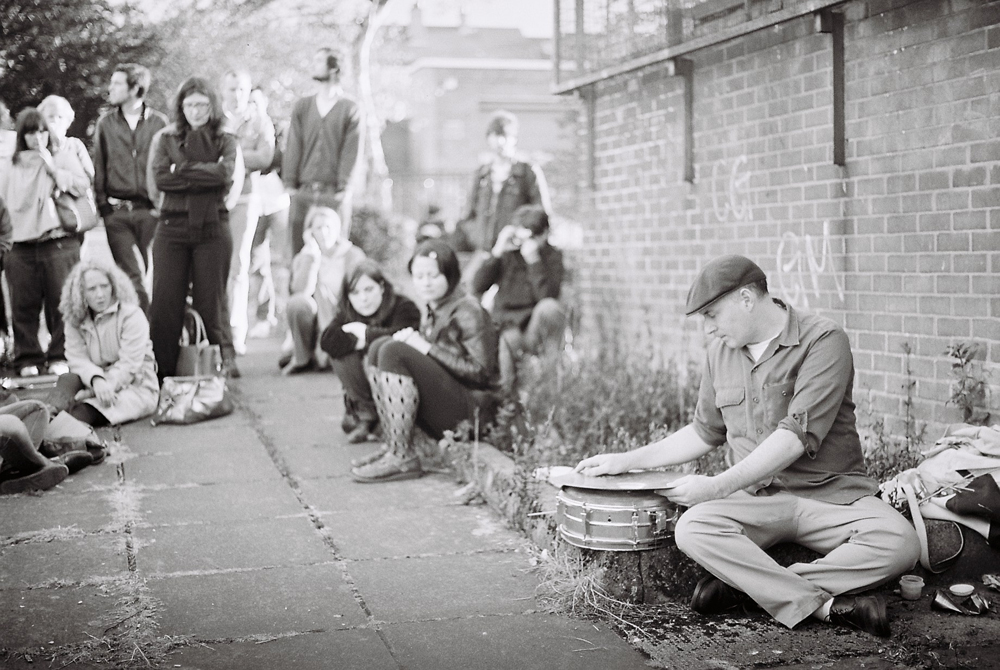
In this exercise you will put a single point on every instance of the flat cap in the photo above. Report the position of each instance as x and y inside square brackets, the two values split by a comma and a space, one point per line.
[720, 276]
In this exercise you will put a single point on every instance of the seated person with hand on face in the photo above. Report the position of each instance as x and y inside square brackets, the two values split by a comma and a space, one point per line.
[528, 274]
[318, 272]
[777, 388]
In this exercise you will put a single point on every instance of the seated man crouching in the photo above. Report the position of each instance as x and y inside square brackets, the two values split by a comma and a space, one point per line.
[777, 387]
[528, 274]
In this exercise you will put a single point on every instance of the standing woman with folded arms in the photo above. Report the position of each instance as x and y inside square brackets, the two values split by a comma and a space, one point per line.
[193, 163]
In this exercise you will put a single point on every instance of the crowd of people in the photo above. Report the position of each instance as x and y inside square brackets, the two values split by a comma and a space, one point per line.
[192, 203]
[187, 201]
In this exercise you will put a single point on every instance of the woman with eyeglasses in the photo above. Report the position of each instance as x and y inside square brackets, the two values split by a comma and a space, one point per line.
[193, 163]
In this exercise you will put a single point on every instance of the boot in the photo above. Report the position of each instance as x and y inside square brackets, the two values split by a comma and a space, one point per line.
[229, 367]
[396, 399]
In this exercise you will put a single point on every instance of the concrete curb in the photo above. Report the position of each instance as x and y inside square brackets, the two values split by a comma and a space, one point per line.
[657, 575]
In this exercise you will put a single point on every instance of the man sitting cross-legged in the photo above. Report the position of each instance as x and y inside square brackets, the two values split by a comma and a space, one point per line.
[777, 388]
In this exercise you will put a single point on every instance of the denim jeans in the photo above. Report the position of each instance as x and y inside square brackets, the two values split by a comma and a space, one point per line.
[130, 234]
[36, 272]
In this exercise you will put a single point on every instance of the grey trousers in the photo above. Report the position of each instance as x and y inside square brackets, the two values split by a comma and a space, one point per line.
[864, 544]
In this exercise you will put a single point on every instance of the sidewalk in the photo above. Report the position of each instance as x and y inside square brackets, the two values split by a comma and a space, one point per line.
[242, 543]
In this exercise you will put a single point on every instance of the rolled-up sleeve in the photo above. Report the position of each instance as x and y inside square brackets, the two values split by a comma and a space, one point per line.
[708, 421]
[819, 390]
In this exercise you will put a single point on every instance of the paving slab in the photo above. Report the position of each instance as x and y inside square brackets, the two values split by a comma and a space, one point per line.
[217, 434]
[210, 546]
[413, 589]
[60, 616]
[194, 465]
[90, 478]
[518, 642]
[290, 430]
[338, 650]
[402, 531]
[274, 601]
[230, 501]
[430, 491]
[74, 559]
[54, 509]
[323, 460]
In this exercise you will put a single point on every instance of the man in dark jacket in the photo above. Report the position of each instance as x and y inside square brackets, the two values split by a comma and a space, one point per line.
[121, 151]
[528, 274]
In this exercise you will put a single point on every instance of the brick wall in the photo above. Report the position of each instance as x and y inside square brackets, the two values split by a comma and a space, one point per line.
[901, 246]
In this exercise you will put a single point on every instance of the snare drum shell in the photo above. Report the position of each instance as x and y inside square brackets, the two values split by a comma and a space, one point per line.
[614, 520]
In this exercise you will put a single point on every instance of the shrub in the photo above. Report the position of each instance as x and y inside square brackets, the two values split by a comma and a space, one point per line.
[576, 408]
[380, 235]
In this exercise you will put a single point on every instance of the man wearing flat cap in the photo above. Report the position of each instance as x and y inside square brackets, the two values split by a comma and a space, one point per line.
[777, 389]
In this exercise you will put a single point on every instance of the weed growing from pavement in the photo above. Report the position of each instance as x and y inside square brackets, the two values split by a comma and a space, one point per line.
[888, 454]
[970, 389]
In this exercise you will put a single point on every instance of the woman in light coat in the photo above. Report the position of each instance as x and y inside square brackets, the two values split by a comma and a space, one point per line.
[112, 376]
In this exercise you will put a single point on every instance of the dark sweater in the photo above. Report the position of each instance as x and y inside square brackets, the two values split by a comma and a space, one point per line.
[520, 285]
[395, 313]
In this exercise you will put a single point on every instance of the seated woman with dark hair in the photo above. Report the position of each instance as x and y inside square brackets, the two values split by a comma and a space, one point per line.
[112, 377]
[435, 377]
[369, 308]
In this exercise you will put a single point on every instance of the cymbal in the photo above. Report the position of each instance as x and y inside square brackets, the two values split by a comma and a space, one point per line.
[640, 480]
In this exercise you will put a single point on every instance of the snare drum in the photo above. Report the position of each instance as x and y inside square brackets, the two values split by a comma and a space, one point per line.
[614, 520]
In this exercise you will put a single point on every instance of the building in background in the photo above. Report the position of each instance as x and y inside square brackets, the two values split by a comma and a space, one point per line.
[458, 76]
[850, 147]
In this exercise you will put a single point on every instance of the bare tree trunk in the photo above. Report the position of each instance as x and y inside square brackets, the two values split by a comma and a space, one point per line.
[377, 187]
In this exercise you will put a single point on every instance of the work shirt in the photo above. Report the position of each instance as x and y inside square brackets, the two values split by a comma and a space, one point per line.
[803, 383]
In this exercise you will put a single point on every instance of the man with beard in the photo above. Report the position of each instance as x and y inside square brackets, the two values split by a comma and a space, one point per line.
[121, 150]
[322, 149]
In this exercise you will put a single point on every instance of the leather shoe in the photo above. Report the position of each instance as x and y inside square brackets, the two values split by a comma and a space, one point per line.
[865, 613]
[75, 460]
[714, 596]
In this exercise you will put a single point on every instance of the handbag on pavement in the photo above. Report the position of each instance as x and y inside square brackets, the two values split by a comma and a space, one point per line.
[185, 400]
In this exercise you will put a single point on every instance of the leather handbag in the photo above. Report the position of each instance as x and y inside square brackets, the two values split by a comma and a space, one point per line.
[185, 400]
[196, 356]
[76, 214]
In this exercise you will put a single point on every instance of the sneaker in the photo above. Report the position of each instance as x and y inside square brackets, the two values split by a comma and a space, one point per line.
[58, 368]
[29, 371]
[362, 432]
[370, 458]
[43, 479]
[389, 468]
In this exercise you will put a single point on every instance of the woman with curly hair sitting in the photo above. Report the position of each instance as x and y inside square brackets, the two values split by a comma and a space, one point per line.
[112, 377]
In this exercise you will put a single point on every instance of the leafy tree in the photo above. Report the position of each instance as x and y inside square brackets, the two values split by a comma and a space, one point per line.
[70, 48]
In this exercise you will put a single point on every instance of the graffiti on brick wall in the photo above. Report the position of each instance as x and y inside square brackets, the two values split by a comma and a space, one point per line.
[802, 262]
[730, 190]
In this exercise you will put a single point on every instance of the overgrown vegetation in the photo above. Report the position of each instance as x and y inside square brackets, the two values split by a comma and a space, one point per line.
[577, 407]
